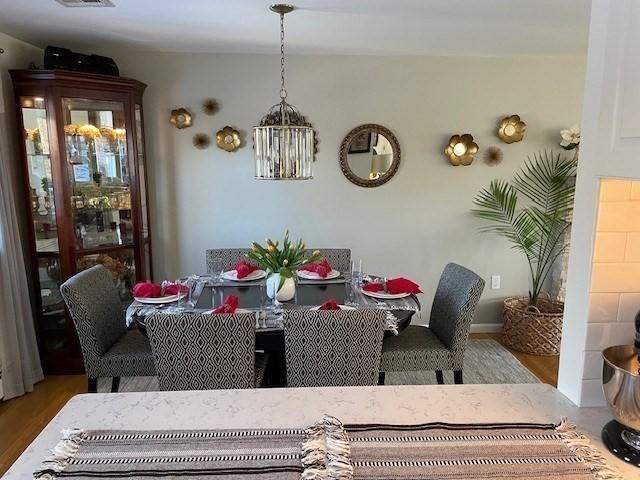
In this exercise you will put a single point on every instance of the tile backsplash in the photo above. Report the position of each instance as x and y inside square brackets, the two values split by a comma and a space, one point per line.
[615, 279]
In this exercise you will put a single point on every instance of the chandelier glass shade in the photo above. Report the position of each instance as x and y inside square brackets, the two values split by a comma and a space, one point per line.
[283, 142]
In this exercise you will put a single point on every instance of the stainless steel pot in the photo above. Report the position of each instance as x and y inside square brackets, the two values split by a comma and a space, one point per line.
[621, 385]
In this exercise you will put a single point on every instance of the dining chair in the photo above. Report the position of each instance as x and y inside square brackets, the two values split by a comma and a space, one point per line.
[108, 348]
[333, 347]
[339, 258]
[198, 351]
[442, 344]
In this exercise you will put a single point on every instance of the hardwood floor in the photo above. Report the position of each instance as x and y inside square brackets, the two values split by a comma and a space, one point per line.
[22, 419]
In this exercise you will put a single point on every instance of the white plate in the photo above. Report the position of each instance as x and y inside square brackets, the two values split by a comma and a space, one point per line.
[342, 307]
[233, 276]
[160, 300]
[385, 296]
[238, 310]
[314, 276]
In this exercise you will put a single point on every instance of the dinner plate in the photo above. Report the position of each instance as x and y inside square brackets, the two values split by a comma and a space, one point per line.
[384, 295]
[342, 307]
[160, 300]
[238, 310]
[314, 276]
[233, 276]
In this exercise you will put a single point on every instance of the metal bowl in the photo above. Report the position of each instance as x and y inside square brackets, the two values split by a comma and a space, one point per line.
[621, 385]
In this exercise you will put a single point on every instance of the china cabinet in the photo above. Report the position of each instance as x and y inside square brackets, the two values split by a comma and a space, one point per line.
[82, 145]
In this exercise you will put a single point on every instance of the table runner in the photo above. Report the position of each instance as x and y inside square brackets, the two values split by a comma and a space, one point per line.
[330, 450]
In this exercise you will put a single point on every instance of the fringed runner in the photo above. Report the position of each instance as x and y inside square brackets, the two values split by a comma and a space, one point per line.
[330, 450]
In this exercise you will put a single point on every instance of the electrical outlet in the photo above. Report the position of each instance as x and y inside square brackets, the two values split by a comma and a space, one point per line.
[495, 282]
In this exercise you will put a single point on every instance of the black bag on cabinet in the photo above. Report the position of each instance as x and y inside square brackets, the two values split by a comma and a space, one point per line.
[64, 59]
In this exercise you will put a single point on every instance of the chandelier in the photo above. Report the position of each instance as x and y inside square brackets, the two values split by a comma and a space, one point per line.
[283, 142]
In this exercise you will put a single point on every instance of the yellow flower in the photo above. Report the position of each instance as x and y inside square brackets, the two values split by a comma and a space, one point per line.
[286, 262]
[316, 252]
[272, 248]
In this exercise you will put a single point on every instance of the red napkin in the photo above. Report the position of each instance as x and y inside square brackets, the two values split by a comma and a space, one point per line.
[228, 306]
[173, 289]
[373, 287]
[402, 285]
[244, 268]
[329, 305]
[322, 268]
[146, 290]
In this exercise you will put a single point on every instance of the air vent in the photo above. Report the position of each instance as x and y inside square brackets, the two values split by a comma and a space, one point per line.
[86, 3]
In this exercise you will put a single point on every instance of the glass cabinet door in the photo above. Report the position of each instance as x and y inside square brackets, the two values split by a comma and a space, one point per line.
[43, 213]
[95, 134]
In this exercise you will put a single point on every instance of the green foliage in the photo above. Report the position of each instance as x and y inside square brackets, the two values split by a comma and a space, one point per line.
[285, 260]
[538, 228]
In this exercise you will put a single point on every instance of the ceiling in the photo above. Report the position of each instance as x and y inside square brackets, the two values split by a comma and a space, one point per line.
[374, 27]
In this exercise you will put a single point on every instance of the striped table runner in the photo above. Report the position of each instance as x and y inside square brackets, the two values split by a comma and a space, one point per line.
[329, 450]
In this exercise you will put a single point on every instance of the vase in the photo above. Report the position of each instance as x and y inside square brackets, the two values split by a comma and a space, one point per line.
[285, 293]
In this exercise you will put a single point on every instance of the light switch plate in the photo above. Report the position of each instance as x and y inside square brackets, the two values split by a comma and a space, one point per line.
[495, 282]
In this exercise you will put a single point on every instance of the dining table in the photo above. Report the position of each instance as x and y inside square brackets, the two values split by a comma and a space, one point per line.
[208, 292]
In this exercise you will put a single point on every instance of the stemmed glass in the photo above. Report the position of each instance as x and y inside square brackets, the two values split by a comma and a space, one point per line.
[216, 269]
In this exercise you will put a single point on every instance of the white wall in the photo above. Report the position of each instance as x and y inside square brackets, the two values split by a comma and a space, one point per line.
[610, 147]
[413, 225]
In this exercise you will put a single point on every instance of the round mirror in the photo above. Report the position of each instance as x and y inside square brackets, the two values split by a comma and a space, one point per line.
[369, 155]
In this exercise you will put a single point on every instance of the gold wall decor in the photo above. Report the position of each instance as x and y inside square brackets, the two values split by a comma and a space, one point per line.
[511, 129]
[210, 106]
[228, 139]
[493, 156]
[181, 118]
[201, 140]
[461, 149]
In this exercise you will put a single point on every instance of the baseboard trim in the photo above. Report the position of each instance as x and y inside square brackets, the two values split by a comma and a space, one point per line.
[486, 328]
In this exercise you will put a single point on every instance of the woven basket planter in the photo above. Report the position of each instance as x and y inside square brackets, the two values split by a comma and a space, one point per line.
[528, 330]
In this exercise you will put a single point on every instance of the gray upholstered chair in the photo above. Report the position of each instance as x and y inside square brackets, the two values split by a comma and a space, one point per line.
[196, 351]
[442, 344]
[108, 348]
[340, 258]
[333, 347]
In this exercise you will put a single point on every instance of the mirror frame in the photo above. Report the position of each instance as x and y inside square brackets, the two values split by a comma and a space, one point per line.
[344, 151]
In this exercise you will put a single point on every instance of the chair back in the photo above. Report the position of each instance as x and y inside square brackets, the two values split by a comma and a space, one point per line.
[333, 348]
[196, 351]
[229, 256]
[454, 306]
[339, 258]
[96, 311]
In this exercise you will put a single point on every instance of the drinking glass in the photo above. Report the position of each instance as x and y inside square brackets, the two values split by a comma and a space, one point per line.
[357, 273]
[217, 269]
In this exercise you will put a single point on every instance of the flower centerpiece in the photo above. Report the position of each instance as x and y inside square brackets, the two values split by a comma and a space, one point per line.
[281, 264]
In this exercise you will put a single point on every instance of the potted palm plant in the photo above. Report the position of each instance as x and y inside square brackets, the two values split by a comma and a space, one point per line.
[533, 212]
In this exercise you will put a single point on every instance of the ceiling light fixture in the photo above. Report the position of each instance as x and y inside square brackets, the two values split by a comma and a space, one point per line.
[284, 142]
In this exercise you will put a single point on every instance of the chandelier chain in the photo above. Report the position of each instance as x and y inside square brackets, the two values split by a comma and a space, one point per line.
[283, 91]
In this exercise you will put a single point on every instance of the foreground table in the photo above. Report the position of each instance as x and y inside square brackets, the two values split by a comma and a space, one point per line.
[297, 407]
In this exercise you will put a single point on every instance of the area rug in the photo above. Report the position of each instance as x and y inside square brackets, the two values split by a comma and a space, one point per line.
[331, 450]
[485, 362]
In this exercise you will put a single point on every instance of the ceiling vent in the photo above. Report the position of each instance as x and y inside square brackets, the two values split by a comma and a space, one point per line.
[86, 3]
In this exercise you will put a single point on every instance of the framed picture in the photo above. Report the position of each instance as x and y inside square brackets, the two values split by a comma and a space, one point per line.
[361, 143]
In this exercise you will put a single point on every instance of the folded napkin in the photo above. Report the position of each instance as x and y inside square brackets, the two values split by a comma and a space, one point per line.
[373, 287]
[402, 285]
[228, 306]
[244, 268]
[173, 289]
[322, 268]
[329, 305]
[146, 290]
